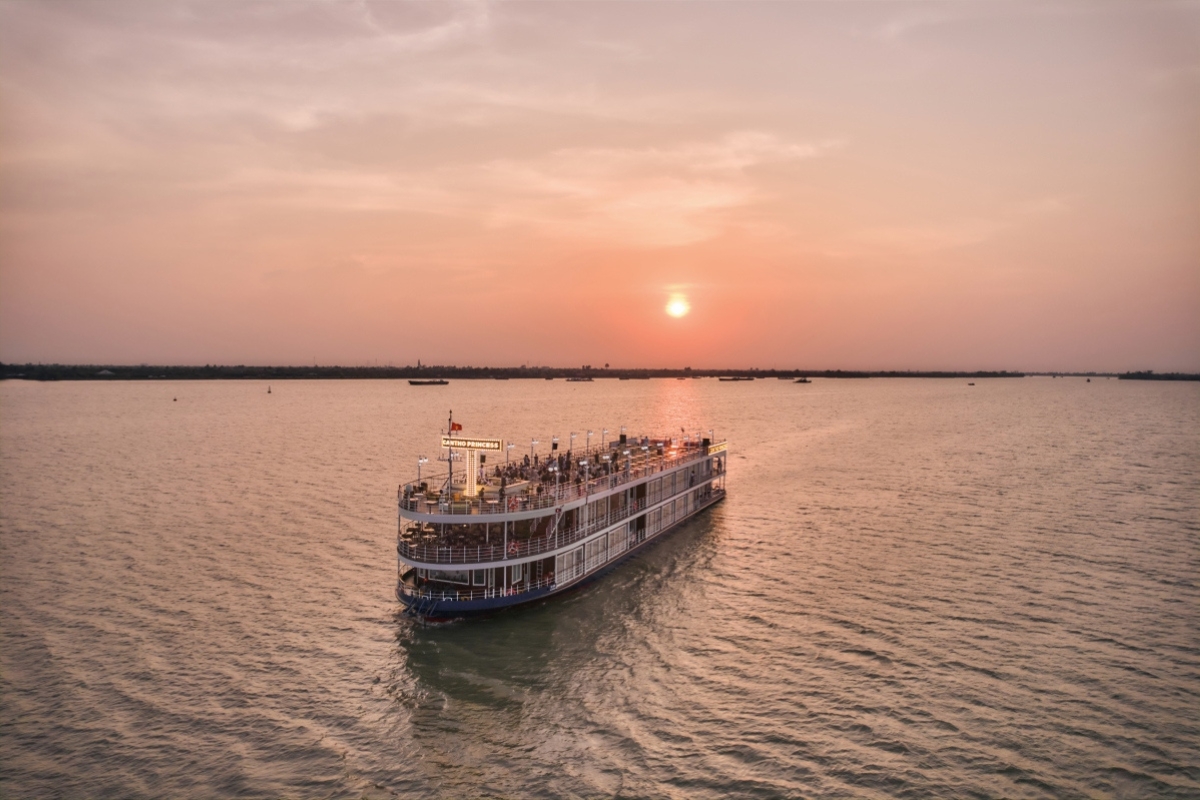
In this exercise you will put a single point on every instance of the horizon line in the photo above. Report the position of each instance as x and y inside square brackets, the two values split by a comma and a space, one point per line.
[68, 371]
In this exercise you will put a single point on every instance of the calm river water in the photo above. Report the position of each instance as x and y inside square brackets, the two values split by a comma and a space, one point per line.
[914, 588]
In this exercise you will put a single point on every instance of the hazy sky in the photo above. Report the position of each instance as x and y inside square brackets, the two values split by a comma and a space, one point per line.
[827, 184]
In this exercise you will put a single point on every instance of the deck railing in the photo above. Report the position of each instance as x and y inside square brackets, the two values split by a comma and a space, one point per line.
[484, 593]
[474, 593]
[412, 499]
[499, 551]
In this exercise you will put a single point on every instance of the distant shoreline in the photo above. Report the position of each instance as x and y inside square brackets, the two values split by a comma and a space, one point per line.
[101, 372]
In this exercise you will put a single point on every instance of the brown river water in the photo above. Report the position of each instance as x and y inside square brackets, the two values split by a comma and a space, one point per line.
[914, 588]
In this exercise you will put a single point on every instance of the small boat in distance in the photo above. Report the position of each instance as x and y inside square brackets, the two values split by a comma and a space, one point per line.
[430, 382]
[736, 378]
[579, 380]
[803, 380]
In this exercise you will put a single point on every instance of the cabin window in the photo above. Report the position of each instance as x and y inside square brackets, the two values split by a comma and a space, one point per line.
[451, 576]
[477, 577]
[517, 572]
[568, 566]
[597, 552]
[618, 540]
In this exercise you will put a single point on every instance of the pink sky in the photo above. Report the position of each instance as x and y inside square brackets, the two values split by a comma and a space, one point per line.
[865, 185]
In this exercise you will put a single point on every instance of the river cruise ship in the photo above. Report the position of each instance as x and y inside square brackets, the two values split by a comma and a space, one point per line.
[494, 532]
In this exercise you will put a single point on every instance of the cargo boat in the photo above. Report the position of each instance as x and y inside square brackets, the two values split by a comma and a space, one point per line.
[485, 536]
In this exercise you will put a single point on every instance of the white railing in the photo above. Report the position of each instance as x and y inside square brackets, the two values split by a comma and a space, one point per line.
[486, 593]
[539, 494]
[474, 593]
[482, 553]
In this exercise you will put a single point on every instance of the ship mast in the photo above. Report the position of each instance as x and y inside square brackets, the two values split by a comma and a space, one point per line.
[450, 458]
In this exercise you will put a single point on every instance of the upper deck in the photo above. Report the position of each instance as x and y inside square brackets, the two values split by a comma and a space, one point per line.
[534, 486]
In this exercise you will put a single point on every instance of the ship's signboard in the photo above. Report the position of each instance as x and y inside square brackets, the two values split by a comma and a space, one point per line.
[472, 444]
[717, 448]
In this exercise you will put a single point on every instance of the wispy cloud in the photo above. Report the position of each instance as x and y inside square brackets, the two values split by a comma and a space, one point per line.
[467, 22]
[663, 195]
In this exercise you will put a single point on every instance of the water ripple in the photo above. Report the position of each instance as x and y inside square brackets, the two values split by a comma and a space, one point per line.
[911, 591]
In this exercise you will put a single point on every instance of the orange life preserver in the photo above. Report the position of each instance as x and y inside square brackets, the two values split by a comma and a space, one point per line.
[513, 503]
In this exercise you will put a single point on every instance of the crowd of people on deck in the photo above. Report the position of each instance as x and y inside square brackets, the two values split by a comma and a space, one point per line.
[543, 470]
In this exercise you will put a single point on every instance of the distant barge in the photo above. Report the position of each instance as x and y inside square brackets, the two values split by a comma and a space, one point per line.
[473, 541]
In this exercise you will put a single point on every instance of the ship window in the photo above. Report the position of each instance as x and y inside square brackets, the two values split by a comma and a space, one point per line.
[597, 552]
[516, 573]
[452, 576]
[477, 577]
[569, 565]
[618, 539]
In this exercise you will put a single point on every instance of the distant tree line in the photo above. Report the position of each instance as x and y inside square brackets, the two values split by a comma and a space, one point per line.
[117, 372]
[1151, 375]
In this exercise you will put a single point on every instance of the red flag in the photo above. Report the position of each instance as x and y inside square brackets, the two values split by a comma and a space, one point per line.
[454, 426]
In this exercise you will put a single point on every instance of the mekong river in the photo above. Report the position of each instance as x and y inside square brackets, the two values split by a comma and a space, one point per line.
[914, 588]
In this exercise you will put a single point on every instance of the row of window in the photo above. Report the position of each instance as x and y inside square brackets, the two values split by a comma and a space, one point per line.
[666, 515]
[472, 577]
[592, 554]
[677, 481]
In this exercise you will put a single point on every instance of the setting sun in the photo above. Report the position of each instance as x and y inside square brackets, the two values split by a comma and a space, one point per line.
[677, 306]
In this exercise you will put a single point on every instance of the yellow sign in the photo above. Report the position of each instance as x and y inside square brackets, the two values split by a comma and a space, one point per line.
[717, 448]
[472, 444]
